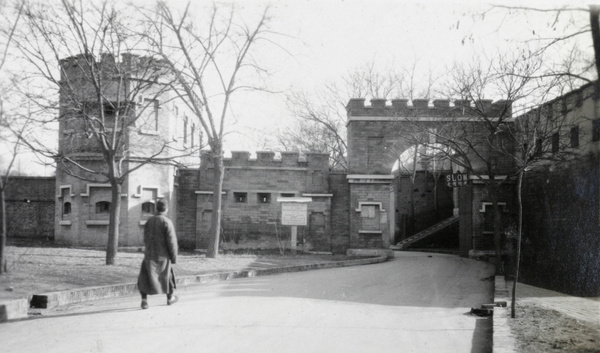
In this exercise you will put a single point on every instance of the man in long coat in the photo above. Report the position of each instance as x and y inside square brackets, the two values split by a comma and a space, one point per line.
[156, 275]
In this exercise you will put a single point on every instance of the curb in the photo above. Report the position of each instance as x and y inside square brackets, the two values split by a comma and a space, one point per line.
[17, 309]
[14, 309]
[503, 339]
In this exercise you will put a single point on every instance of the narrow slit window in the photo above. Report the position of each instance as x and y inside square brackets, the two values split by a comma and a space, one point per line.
[555, 142]
[66, 208]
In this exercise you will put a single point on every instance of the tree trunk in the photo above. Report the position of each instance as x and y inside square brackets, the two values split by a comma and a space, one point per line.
[113, 224]
[413, 178]
[595, 27]
[519, 235]
[215, 224]
[2, 228]
[493, 190]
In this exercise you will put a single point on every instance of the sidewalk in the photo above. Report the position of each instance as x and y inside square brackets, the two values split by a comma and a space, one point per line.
[583, 309]
[19, 308]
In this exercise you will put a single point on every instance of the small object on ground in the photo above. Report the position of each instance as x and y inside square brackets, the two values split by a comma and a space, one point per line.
[144, 304]
[173, 300]
[482, 312]
[10, 289]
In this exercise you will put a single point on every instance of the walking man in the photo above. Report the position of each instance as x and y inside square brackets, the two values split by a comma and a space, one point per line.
[156, 275]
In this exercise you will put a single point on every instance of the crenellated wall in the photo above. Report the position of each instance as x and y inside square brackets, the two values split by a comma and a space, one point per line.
[251, 217]
[152, 122]
[426, 107]
[380, 132]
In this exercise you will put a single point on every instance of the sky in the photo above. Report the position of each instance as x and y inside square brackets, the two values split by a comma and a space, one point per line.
[325, 40]
[320, 41]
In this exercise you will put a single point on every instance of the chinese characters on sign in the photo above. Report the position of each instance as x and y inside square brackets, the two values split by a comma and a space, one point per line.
[457, 180]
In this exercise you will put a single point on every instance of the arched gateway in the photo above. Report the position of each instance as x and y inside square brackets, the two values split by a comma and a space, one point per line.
[377, 135]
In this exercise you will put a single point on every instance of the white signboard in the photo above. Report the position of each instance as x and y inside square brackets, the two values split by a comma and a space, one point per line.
[294, 214]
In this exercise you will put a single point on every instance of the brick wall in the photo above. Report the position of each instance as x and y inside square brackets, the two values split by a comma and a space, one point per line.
[360, 235]
[425, 196]
[251, 217]
[30, 207]
[340, 212]
[561, 235]
[187, 180]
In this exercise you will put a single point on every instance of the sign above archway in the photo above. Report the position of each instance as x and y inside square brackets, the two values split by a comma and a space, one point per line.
[457, 180]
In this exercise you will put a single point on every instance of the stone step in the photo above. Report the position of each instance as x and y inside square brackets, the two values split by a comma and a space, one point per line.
[427, 232]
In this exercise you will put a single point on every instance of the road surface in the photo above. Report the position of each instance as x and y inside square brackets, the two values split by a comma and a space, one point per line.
[417, 302]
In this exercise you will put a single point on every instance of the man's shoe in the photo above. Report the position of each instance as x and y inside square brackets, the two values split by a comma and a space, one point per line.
[172, 300]
[144, 304]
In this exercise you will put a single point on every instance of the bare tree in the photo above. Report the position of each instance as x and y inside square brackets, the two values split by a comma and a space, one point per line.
[9, 132]
[212, 59]
[538, 144]
[569, 35]
[103, 104]
[318, 128]
[320, 124]
[536, 131]
[473, 135]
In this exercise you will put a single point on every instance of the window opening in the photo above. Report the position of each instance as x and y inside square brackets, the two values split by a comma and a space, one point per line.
[148, 207]
[264, 197]
[66, 208]
[103, 207]
[555, 142]
[538, 146]
[596, 130]
[575, 136]
[240, 197]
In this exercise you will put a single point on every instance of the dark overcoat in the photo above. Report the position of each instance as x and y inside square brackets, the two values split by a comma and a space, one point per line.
[156, 275]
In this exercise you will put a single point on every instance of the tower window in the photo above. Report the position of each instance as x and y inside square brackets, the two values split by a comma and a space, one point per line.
[103, 207]
[66, 208]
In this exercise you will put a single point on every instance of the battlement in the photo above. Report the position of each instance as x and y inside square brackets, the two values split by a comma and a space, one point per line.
[286, 159]
[425, 107]
[78, 66]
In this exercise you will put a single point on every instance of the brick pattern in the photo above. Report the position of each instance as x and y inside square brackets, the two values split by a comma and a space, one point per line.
[187, 181]
[340, 212]
[30, 207]
[253, 223]
[561, 236]
[425, 196]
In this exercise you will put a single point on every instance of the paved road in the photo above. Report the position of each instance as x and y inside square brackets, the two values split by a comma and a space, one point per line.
[416, 303]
